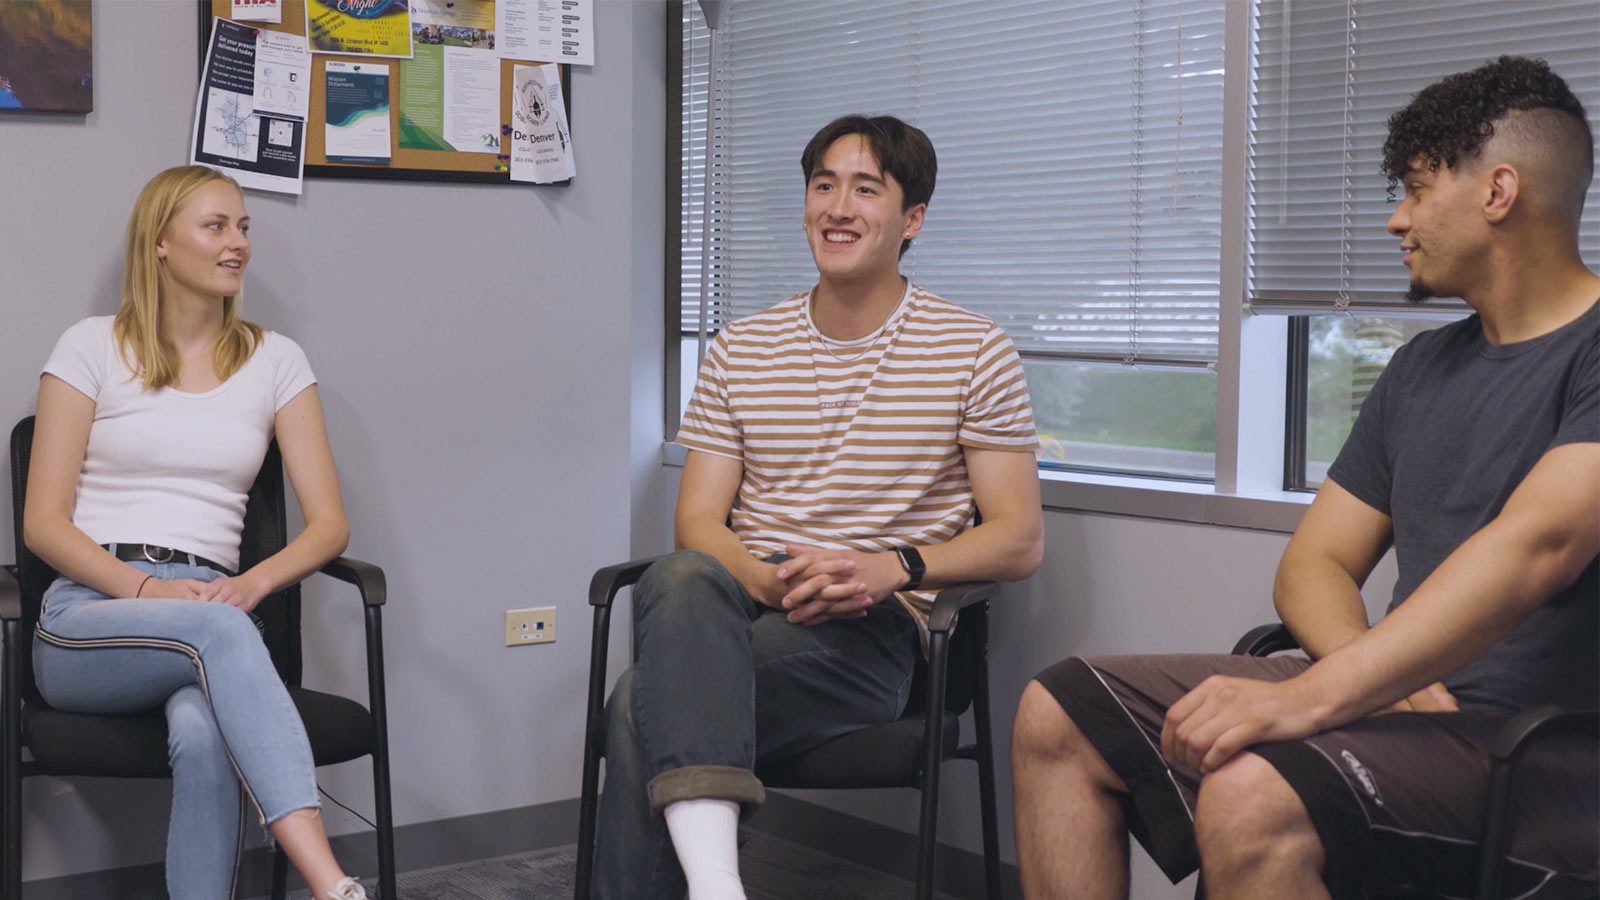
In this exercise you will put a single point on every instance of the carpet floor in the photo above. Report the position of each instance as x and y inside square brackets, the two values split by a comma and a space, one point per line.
[773, 869]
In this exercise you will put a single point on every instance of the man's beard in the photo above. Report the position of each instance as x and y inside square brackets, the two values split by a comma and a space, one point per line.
[1419, 291]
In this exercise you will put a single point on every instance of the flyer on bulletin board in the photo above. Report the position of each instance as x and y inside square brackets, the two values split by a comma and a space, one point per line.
[541, 143]
[359, 27]
[258, 11]
[356, 128]
[453, 23]
[261, 152]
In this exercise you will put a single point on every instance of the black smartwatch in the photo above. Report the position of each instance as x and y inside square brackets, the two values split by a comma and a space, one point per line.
[914, 566]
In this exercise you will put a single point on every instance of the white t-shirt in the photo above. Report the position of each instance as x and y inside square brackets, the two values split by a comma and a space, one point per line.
[167, 467]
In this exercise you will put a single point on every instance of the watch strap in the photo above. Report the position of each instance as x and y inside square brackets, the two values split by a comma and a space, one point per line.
[911, 560]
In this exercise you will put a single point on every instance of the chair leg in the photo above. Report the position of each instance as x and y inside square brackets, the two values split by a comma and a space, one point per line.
[280, 874]
[928, 831]
[991, 816]
[11, 768]
[588, 814]
[932, 746]
[593, 749]
[388, 885]
[13, 836]
[11, 855]
[382, 800]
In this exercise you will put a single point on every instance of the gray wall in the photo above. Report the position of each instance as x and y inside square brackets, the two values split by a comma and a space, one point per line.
[490, 362]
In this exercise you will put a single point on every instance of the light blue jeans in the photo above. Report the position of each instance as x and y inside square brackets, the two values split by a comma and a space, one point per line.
[231, 726]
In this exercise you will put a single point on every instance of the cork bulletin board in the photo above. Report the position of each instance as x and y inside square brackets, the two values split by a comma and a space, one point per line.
[405, 164]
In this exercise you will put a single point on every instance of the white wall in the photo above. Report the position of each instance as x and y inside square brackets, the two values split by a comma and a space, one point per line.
[490, 362]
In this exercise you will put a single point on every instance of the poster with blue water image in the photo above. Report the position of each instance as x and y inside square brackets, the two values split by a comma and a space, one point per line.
[357, 112]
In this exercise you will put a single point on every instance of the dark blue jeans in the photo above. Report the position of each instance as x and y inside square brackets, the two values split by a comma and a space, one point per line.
[719, 685]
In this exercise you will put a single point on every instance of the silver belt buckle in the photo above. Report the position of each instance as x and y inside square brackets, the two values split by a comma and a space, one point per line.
[150, 557]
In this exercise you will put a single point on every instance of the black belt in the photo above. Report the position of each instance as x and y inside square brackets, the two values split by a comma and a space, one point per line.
[153, 554]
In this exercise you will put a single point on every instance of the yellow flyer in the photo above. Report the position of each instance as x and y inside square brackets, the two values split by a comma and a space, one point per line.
[370, 27]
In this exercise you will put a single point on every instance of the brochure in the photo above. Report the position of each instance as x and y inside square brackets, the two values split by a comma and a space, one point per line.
[261, 152]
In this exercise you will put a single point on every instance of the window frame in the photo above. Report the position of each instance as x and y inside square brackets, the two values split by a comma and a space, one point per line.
[1297, 401]
[672, 267]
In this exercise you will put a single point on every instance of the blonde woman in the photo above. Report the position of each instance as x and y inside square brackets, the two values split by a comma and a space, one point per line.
[151, 426]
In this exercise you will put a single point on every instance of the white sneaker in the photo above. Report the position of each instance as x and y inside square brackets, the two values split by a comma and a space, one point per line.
[348, 889]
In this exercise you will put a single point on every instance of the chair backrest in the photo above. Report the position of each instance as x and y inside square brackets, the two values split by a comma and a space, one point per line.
[265, 533]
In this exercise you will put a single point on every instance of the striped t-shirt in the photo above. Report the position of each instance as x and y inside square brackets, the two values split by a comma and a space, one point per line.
[858, 447]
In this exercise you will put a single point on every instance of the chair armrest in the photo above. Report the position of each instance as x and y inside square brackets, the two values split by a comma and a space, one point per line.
[367, 578]
[605, 584]
[1265, 640]
[950, 601]
[1514, 736]
[10, 594]
[1509, 743]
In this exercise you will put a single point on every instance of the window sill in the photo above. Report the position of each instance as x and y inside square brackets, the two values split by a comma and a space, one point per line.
[1175, 501]
[1147, 498]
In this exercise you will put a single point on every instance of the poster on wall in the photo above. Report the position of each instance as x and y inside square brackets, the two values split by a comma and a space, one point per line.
[356, 120]
[359, 27]
[450, 90]
[546, 30]
[541, 143]
[46, 58]
[262, 152]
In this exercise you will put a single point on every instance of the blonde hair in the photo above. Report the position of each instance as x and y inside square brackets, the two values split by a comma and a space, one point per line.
[144, 346]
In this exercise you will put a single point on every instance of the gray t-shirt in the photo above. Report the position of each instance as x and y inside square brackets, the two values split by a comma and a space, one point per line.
[1451, 428]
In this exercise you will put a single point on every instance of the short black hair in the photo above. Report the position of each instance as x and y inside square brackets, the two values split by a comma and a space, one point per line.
[1450, 120]
[901, 150]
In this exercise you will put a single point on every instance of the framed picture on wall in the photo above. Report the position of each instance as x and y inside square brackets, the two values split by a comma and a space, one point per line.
[46, 56]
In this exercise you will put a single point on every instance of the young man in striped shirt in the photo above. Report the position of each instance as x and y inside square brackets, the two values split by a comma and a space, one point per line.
[839, 446]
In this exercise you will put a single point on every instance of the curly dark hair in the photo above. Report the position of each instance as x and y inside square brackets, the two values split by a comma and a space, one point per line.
[1451, 119]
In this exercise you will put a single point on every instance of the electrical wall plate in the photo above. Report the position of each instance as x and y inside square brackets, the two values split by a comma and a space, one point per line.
[536, 625]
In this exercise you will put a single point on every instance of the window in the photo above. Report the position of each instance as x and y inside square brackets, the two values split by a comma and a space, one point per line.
[1078, 201]
[1088, 203]
[1327, 75]
[1344, 354]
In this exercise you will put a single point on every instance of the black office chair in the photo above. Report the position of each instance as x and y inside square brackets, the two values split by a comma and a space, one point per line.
[1505, 751]
[904, 753]
[74, 744]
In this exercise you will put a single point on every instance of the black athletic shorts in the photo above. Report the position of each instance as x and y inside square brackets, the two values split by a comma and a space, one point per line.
[1396, 799]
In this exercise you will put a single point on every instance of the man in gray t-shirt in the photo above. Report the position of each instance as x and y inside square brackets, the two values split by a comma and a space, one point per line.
[1452, 428]
[1359, 769]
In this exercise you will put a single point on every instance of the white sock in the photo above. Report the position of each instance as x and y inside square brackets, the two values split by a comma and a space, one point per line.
[706, 835]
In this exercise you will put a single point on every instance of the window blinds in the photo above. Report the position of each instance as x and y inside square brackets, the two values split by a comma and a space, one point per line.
[1078, 201]
[1328, 74]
